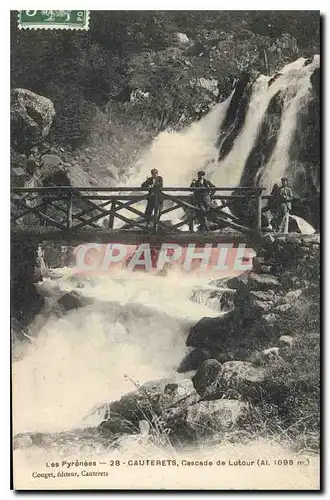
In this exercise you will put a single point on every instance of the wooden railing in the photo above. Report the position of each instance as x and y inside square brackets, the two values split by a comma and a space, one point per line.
[72, 209]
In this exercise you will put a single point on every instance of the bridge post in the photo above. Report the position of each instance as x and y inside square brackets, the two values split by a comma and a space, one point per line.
[111, 216]
[259, 209]
[69, 210]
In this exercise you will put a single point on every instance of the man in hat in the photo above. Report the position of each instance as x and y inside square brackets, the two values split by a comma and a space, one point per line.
[155, 199]
[203, 197]
[284, 198]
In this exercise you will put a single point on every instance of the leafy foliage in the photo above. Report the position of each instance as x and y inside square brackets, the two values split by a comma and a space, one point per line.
[127, 51]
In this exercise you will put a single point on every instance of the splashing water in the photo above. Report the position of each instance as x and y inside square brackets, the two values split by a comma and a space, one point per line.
[179, 155]
[136, 326]
[294, 84]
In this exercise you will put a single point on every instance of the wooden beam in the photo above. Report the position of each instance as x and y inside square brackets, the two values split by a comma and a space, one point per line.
[182, 203]
[112, 216]
[78, 216]
[130, 237]
[170, 209]
[141, 214]
[108, 212]
[116, 189]
[69, 210]
[40, 215]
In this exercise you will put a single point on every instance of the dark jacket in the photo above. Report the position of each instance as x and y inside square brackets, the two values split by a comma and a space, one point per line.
[199, 183]
[286, 196]
[153, 182]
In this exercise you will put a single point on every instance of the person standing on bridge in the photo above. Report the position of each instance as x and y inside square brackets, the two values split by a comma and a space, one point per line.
[155, 198]
[203, 198]
[283, 207]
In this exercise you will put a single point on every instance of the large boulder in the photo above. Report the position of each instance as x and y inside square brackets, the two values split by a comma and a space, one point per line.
[31, 118]
[214, 380]
[73, 300]
[243, 377]
[206, 379]
[209, 332]
[166, 398]
[215, 416]
[262, 282]
[193, 359]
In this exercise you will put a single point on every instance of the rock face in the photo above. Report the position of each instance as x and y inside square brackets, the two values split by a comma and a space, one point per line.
[73, 300]
[31, 118]
[27, 267]
[173, 407]
[215, 416]
[213, 380]
[206, 379]
[166, 398]
[265, 304]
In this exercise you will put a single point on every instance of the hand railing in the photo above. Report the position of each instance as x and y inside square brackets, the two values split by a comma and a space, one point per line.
[81, 207]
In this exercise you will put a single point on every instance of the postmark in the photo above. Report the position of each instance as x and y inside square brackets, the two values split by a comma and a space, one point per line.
[54, 19]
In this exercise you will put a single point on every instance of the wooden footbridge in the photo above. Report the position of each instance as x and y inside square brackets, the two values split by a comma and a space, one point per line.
[117, 214]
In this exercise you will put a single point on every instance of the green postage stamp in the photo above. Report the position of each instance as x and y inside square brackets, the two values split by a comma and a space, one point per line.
[53, 19]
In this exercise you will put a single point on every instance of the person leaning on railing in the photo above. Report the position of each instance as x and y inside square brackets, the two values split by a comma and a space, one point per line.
[155, 198]
[203, 197]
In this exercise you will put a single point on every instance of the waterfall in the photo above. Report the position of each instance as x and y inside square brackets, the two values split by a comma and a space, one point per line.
[292, 85]
[136, 324]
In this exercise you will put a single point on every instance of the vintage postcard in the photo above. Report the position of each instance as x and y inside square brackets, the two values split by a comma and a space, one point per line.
[165, 250]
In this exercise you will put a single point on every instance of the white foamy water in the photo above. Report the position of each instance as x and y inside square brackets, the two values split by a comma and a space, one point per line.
[293, 84]
[179, 155]
[135, 327]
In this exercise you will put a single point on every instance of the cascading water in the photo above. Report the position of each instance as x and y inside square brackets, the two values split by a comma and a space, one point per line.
[136, 324]
[136, 327]
[293, 84]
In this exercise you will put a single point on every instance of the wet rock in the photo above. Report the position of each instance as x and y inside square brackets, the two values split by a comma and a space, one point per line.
[238, 282]
[31, 117]
[215, 416]
[217, 299]
[206, 379]
[194, 359]
[262, 282]
[211, 330]
[73, 300]
[81, 281]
